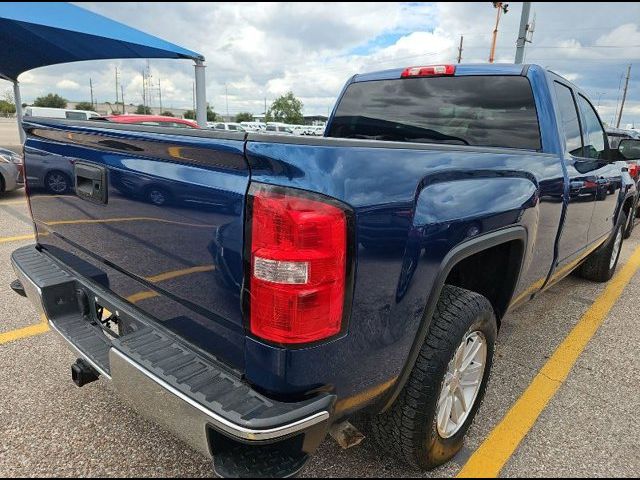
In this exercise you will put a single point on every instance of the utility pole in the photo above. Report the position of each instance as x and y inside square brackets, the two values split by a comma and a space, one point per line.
[624, 96]
[193, 96]
[144, 92]
[226, 95]
[160, 95]
[91, 90]
[522, 34]
[265, 109]
[460, 49]
[117, 83]
[122, 97]
[501, 7]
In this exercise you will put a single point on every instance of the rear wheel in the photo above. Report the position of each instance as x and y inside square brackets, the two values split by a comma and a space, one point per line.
[601, 264]
[158, 196]
[57, 183]
[631, 223]
[426, 425]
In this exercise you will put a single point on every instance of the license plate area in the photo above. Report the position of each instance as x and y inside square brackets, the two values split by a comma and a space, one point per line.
[112, 321]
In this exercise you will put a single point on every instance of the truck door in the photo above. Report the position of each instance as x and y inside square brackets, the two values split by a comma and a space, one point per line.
[609, 175]
[583, 185]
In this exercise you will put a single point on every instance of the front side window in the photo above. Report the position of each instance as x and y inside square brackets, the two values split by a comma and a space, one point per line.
[595, 145]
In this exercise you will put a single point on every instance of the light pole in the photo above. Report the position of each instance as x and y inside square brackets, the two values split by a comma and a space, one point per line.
[501, 7]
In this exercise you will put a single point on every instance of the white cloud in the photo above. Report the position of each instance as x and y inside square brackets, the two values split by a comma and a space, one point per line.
[261, 50]
[66, 84]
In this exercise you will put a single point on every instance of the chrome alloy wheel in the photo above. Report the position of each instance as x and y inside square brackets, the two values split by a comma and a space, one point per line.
[57, 183]
[616, 248]
[461, 384]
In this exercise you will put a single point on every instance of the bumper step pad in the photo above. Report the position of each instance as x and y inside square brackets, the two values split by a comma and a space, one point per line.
[248, 434]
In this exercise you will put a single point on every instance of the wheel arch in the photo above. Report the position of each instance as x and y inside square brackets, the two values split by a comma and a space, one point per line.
[516, 235]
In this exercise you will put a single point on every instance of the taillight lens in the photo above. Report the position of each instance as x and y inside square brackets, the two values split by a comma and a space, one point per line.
[298, 266]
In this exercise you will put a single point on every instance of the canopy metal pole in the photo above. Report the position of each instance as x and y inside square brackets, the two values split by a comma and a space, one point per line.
[18, 99]
[201, 94]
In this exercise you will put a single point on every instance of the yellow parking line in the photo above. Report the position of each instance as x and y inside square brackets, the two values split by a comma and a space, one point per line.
[25, 332]
[179, 273]
[17, 238]
[499, 446]
[138, 297]
[14, 202]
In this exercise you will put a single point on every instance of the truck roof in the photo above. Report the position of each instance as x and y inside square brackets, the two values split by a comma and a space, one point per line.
[461, 69]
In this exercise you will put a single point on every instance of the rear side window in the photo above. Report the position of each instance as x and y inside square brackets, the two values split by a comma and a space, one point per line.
[569, 119]
[492, 111]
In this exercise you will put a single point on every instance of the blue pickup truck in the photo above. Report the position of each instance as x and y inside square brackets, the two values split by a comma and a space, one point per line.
[285, 284]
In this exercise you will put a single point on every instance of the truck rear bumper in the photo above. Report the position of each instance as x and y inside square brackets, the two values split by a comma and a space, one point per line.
[193, 395]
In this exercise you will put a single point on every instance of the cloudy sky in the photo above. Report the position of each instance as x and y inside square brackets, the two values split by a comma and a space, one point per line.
[258, 51]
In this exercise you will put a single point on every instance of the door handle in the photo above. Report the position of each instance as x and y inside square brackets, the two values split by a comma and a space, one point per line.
[91, 182]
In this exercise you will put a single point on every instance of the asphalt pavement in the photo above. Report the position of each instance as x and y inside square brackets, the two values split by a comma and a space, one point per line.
[588, 427]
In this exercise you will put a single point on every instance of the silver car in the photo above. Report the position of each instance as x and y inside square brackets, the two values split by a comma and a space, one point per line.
[11, 177]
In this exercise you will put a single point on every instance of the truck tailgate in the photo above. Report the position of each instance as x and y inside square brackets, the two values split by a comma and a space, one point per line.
[153, 214]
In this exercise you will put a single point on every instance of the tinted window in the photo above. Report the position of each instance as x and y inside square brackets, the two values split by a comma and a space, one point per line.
[594, 136]
[232, 127]
[569, 119]
[485, 111]
[271, 128]
[76, 115]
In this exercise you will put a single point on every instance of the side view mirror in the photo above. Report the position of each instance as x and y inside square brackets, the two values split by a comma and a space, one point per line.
[629, 149]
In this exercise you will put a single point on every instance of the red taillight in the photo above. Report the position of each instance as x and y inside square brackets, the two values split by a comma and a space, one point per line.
[633, 170]
[428, 71]
[298, 267]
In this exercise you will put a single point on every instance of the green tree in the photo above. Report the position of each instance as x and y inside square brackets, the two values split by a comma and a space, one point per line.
[6, 108]
[84, 106]
[7, 104]
[143, 110]
[244, 117]
[52, 100]
[286, 108]
[167, 113]
[211, 115]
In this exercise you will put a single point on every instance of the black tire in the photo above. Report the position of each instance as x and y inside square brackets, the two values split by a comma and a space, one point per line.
[2, 184]
[598, 266]
[57, 183]
[158, 196]
[408, 429]
[631, 223]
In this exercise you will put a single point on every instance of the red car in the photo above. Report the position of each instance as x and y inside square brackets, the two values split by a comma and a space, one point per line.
[151, 120]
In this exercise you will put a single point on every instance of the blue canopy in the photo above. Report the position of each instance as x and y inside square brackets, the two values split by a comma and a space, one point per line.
[37, 34]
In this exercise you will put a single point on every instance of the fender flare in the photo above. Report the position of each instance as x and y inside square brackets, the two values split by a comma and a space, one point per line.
[455, 256]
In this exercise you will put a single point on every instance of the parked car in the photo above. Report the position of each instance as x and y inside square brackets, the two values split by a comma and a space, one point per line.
[256, 127]
[615, 136]
[49, 112]
[150, 120]
[366, 272]
[278, 129]
[227, 126]
[11, 170]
